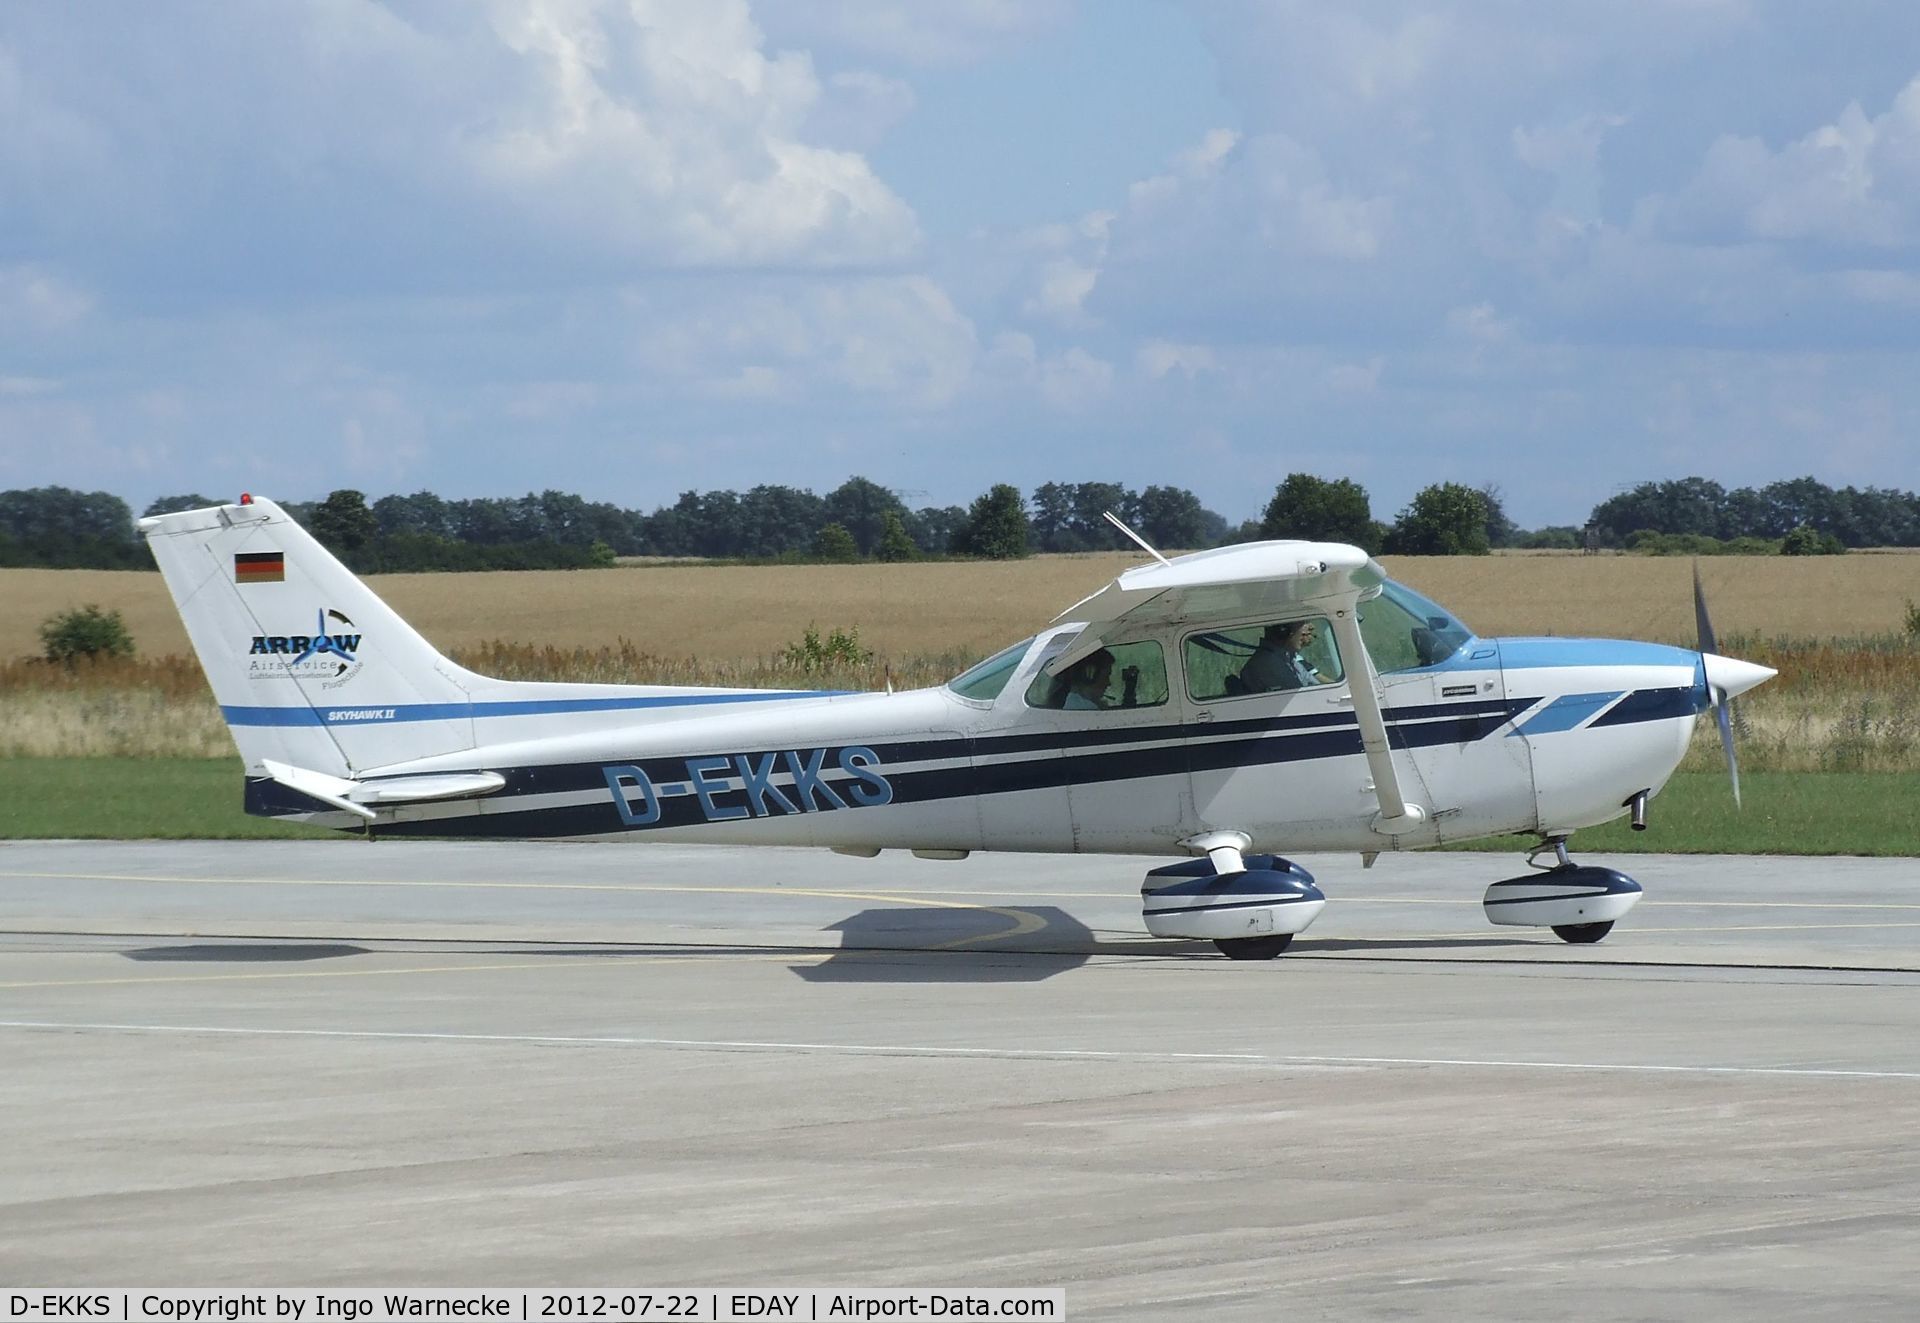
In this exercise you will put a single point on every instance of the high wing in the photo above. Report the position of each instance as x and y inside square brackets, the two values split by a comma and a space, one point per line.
[1227, 583]
[1231, 584]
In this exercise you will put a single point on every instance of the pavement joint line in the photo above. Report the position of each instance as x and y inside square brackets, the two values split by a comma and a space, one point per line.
[165, 980]
[933, 1050]
[926, 897]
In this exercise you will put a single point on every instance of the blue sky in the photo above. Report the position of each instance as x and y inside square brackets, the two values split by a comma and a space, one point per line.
[631, 248]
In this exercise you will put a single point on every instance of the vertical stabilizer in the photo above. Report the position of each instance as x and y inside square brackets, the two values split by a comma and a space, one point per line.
[308, 666]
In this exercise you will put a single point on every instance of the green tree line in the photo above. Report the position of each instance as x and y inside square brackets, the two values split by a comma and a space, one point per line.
[62, 528]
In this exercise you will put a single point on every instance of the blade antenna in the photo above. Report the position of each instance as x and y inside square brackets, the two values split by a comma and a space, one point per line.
[1143, 544]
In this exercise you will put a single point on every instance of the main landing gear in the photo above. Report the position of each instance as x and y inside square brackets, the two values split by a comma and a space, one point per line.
[1580, 902]
[1247, 905]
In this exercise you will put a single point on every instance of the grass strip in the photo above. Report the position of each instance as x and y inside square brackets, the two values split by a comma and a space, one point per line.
[132, 799]
[1860, 813]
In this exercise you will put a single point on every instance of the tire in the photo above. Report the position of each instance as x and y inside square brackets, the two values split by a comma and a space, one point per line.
[1581, 934]
[1253, 948]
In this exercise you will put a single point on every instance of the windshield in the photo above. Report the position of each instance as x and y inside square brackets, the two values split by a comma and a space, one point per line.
[985, 681]
[1405, 631]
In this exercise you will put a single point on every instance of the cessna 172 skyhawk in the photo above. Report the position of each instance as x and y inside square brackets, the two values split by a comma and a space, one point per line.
[1220, 705]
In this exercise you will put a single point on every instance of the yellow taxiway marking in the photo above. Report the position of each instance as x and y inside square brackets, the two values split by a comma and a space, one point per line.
[910, 898]
[1022, 922]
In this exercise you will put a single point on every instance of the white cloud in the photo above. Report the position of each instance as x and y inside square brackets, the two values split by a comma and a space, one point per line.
[1479, 323]
[1075, 380]
[34, 297]
[1240, 232]
[1064, 286]
[1894, 288]
[856, 110]
[1066, 257]
[1158, 358]
[666, 132]
[1357, 378]
[1854, 181]
[379, 147]
[899, 339]
[1569, 151]
[914, 32]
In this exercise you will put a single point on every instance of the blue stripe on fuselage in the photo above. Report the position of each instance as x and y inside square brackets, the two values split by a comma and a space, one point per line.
[361, 714]
[1565, 712]
[1519, 654]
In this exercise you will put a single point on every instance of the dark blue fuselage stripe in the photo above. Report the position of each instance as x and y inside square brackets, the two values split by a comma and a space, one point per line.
[1655, 705]
[1077, 760]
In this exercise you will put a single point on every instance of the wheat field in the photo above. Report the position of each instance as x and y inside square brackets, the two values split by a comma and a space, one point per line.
[726, 612]
[1847, 699]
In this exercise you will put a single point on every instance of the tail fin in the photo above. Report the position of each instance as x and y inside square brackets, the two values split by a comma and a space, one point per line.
[308, 666]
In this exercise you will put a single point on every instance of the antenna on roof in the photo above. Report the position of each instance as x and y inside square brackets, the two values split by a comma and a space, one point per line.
[1114, 519]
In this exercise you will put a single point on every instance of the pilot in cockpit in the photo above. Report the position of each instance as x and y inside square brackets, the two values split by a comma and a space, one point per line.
[1278, 662]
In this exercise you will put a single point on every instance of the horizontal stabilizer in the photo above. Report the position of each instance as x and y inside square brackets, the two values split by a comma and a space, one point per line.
[356, 797]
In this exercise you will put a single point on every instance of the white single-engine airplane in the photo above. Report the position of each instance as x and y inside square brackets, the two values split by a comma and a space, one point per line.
[1221, 705]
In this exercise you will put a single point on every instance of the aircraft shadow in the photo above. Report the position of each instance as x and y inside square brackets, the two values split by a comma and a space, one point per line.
[916, 945]
[246, 952]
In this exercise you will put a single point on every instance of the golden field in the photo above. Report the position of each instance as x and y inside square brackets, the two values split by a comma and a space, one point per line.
[723, 612]
[1847, 699]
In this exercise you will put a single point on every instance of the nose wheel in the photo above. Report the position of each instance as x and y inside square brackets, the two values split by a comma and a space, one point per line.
[1580, 902]
[1582, 934]
[1254, 948]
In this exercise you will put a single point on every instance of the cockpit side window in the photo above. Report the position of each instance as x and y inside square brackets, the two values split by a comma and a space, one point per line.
[1404, 631]
[1261, 659]
[1120, 675]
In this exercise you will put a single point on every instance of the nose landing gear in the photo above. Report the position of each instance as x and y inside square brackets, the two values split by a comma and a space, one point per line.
[1580, 902]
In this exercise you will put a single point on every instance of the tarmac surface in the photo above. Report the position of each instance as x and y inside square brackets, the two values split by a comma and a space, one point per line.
[331, 1064]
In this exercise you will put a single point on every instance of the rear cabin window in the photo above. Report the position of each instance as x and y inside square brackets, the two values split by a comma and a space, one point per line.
[1122, 675]
[1262, 658]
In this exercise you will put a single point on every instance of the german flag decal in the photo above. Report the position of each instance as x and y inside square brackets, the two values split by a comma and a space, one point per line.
[259, 567]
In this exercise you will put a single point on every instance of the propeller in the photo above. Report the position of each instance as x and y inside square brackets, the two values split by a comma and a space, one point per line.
[1722, 700]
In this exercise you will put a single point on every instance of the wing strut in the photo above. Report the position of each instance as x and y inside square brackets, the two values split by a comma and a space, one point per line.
[1396, 814]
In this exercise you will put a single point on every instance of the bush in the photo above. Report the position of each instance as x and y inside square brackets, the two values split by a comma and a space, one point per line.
[894, 544]
[840, 648]
[1646, 542]
[834, 543]
[1445, 519]
[85, 631]
[1805, 541]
